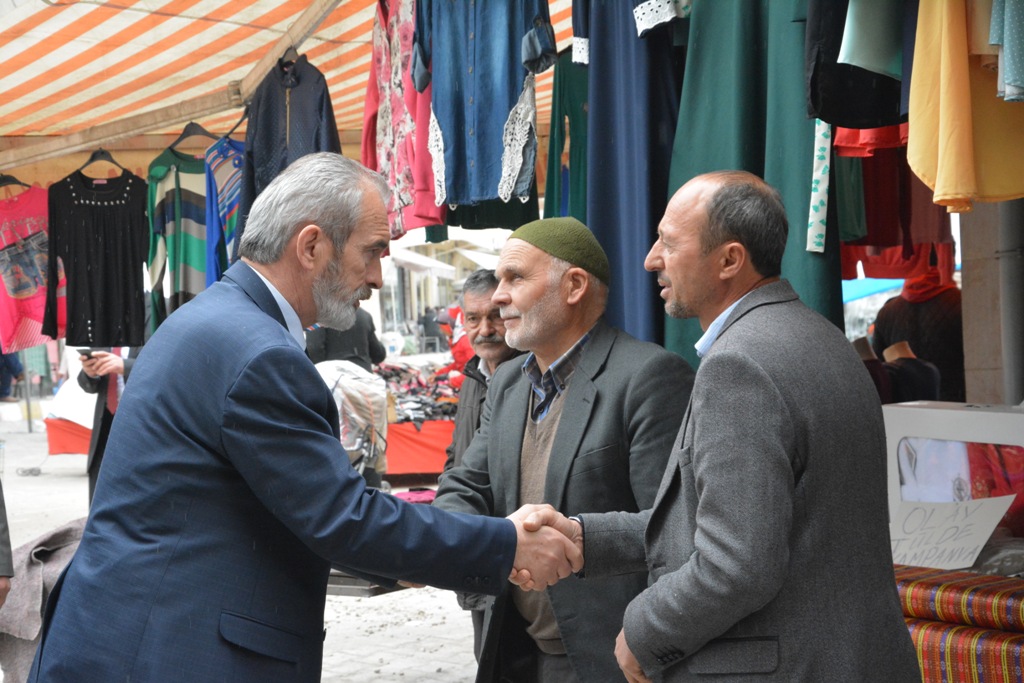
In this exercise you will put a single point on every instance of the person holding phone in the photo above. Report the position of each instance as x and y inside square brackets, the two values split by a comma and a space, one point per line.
[104, 373]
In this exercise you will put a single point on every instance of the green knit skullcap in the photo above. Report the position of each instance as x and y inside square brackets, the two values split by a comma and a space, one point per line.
[569, 240]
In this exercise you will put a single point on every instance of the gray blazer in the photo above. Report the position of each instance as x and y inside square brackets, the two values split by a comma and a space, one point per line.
[623, 407]
[768, 546]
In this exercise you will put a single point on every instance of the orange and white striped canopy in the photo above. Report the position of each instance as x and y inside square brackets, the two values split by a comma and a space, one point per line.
[71, 65]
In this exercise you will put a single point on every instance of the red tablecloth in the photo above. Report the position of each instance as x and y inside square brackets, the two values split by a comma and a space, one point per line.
[410, 451]
[418, 451]
[65, 436]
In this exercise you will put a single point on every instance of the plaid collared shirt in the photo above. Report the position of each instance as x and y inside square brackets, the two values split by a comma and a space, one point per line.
[554, 382]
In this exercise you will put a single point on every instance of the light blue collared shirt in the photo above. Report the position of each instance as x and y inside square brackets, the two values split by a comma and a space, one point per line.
[704, 344]
[291, 318]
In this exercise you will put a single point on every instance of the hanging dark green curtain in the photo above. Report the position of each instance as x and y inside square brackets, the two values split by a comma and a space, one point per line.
[743, 106]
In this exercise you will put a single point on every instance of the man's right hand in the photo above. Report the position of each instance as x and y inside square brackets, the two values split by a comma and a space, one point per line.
[544, 554]
[536, 518]
[102, 363]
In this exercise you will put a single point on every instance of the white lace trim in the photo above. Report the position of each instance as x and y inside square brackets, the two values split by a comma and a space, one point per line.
[581, 50]
[654, 12]
[522, 120]
[435, 145]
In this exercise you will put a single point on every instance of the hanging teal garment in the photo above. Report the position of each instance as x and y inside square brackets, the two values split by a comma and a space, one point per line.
[568, 114]
[743, 106]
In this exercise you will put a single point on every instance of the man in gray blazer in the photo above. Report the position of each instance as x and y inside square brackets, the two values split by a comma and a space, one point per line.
[585, 422]
[768, 545]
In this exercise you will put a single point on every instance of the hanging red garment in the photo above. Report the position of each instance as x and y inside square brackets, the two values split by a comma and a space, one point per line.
[903, 224]
[998, 470]
[862, 142]
[891, 262]
[24, 252]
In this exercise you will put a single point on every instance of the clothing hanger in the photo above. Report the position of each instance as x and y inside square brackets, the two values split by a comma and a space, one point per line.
[11, 180]
[101, 155]
[245, 115]
[290, 56]
[191, 129]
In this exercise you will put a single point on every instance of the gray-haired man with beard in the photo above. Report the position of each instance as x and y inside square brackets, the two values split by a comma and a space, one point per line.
[225, 496]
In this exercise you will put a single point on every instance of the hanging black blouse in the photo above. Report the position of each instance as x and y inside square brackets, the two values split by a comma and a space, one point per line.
[100, 230]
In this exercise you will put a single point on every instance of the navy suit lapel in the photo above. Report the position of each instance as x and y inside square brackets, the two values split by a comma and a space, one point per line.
[244, 277]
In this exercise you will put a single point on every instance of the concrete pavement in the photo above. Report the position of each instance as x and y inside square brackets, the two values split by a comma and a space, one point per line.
[410, 635]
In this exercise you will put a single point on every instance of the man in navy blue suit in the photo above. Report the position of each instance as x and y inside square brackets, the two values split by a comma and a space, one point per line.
[225, 496]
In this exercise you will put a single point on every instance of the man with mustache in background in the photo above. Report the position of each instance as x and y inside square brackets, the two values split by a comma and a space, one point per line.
[485, 333]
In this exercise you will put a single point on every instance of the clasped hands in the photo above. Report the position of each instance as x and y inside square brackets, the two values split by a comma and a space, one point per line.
[549, 547]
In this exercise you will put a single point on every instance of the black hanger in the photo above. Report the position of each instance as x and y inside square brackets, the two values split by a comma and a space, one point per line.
[192, 128]
[11, 180]
[101, 155]
[245, 115]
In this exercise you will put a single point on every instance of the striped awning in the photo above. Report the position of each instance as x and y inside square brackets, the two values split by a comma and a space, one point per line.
[69, 66]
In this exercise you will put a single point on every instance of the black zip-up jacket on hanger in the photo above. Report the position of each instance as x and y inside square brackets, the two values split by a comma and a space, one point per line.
[290, 116]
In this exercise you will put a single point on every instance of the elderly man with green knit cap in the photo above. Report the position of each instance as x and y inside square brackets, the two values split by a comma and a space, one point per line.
[585, 423]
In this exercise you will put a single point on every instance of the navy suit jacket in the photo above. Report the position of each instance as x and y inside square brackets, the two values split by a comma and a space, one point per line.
[225, 497]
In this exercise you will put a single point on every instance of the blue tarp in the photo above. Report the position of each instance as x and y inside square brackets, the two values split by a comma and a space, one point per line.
[858, 289]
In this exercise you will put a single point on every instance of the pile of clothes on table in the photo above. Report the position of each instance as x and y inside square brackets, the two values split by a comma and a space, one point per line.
[421, 394]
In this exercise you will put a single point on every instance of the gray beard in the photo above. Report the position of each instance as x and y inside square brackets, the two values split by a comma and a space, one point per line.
[335, 308]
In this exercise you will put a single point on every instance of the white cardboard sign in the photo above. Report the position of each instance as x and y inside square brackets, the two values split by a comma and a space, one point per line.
[944, 535]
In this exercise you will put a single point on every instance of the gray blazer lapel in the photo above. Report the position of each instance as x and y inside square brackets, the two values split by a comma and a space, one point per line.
[775, 293]
[579, 404]
[516, 405]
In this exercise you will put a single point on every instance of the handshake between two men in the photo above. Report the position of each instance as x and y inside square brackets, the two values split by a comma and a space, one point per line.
[549, 547]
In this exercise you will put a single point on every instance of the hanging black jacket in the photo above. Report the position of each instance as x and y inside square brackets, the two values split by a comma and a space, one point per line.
[290, 116]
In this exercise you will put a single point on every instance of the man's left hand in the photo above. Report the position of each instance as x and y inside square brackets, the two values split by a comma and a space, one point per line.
[5, 588]
[627, 662]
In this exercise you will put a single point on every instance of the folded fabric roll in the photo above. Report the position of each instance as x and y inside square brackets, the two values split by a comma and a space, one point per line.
[950, 652]
[959, 597]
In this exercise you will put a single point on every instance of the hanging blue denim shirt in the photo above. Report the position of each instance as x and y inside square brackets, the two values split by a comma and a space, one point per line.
[481, 56]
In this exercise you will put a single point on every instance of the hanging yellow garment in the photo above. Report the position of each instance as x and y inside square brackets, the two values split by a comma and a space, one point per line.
[965, 143]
